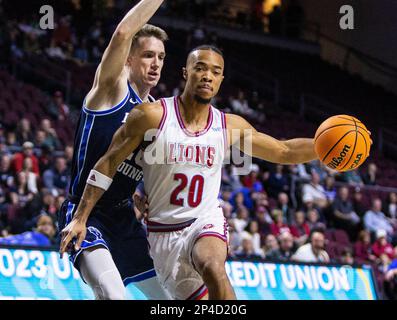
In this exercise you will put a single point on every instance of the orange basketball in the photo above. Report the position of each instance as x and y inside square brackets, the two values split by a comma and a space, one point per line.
[342, 143]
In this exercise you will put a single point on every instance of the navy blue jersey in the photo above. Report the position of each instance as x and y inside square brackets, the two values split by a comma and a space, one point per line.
[95, 130]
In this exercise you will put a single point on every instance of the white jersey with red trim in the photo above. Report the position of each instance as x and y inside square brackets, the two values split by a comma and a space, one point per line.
[184, 181]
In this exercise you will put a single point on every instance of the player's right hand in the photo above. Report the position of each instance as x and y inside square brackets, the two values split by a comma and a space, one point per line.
[141, 203]
[74, 230]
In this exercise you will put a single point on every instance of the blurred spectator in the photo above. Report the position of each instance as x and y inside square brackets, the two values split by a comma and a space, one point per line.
[253, 229]
[24, 131]
[313, 194]
[375, 219]
[390, 206]
[57, 109]
[4, 150]
[57, 179]
[6, 174]
[343, 215]
[17, 162]
[358, 205]
[49, 205]
[329, 189]
[270, 244]
[363, 247]
[11, 140]
[229, 179]
[234, 238]
[95, 31]
[62, 34]
[251, 181]
[68, 154]
[319, 168]
[313, 220]
[283, 205]
[22, 201]
[278, 226]
[347, 257]
[51, 135]
[40, 140]
[286, 249]
[264, 221]
[314, 250]
[382, 246]
[43, 236]
[277, 182]
[81, 53]
[30, 175]
[240, 105]
[241, 221]
[261, 200]
[300, 229]
[369, 178]
[303, 175]
[55, 52]
[247, 248]
[352, 178]
[257, 105]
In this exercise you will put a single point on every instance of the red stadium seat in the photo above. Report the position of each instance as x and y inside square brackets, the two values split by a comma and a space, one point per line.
[341, 237]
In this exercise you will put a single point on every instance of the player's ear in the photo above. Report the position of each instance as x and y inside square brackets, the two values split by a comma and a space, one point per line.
[129, 60]
[184, 73]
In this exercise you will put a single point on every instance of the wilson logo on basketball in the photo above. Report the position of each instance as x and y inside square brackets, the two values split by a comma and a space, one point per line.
[337, 161]
[357, 161]
[208, 226]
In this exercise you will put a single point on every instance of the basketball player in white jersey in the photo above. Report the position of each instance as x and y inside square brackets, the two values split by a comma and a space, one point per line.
[187, 230]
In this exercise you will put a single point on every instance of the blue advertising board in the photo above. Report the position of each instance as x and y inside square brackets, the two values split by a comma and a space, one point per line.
[41, 274]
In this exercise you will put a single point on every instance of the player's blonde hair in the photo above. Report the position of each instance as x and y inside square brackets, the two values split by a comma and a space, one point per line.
[149, 30]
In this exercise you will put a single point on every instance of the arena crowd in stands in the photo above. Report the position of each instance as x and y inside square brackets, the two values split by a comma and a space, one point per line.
[305, 213]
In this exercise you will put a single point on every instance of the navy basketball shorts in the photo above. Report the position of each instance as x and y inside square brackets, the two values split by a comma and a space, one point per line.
[115, 228]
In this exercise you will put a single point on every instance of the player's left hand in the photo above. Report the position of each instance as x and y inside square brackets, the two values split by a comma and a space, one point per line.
[74, 230]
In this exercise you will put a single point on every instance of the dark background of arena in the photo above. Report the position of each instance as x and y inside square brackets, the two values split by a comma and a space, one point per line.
[288, 67]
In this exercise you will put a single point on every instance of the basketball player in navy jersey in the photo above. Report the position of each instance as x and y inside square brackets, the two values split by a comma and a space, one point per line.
[114, 248]
[187, 231]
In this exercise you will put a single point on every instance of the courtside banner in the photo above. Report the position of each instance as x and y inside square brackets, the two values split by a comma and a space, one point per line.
[41, 274]
[276, 281]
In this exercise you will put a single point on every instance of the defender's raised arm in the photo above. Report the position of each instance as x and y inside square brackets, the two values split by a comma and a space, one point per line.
[116, 53]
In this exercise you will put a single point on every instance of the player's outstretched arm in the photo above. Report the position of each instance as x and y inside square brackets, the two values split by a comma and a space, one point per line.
[265, 147]
[116, 54]
[126, 139]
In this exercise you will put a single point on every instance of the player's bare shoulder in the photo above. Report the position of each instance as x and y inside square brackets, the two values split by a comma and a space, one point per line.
[145, 116]
[237, 127]
[235, 121]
